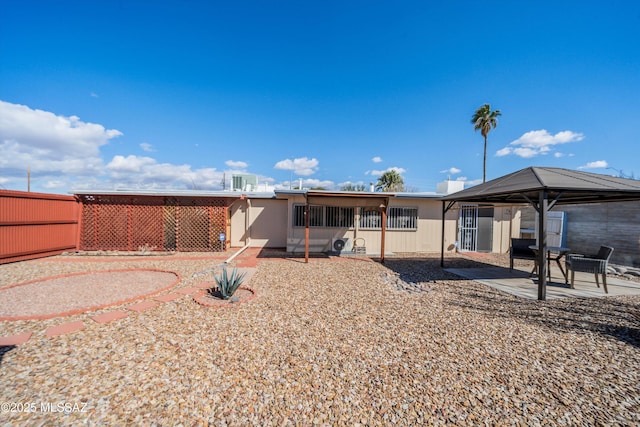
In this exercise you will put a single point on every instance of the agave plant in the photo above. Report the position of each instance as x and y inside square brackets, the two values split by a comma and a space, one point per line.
[227, 286]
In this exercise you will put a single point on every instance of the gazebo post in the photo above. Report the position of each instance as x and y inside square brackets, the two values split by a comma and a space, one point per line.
[442, 236]
[542, 245]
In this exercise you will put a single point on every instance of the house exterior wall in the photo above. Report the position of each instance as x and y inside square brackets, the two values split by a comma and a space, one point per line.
[506, 224]
[259, 223]
[425, 238]
[615, 224]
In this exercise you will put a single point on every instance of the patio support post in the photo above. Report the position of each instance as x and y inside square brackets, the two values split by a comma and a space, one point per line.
[444, 211]
[80, 207]
[384, 232]
[306, 233]
[542, 245]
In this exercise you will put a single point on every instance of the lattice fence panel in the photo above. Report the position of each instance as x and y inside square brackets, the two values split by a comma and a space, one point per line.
[170, 243]
[146, 225]
[192, 228]
[172, 223]
[218, 225]
[88, 230]
[111, 227]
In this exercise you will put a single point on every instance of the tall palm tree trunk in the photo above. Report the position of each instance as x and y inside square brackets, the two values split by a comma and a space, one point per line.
[484, 162]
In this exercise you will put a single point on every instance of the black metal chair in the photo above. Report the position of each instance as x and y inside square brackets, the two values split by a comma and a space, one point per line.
[596, 264]
[520, 250]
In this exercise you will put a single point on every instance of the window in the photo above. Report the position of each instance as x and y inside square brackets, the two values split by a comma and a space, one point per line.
[402, 218]
[370, 219]
[398, 218]
[324, 216]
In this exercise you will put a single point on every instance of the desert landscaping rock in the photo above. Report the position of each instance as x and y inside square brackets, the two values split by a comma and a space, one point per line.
[331, 342]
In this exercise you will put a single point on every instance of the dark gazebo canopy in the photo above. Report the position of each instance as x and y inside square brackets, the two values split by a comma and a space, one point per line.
[564, 186]
[544, 188]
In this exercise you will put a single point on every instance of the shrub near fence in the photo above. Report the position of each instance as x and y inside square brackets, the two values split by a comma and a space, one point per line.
[34, 225]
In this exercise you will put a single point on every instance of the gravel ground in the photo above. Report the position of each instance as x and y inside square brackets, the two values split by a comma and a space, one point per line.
[332, 342]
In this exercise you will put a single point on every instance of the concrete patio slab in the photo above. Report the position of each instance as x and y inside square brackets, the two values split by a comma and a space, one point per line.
[519, 283]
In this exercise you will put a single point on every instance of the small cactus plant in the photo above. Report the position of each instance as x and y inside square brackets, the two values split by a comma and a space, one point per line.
[227, 286]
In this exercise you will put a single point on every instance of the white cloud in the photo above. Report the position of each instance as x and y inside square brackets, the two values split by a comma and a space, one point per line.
[64, 154]
[49, 143]
[236, 165]
[451, 170]
[147, 147]
[315, 183]
[306, 183]
[94, 95]
[598, 164]
[300, 166]
[146, 173]
[525, 152]
[377, 159]
[503, 151]
[129, 164]
[538, 142]
[380, 172]
[55, 184]
[557, 155]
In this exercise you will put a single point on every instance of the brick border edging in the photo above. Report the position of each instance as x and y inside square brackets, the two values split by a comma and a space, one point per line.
[92, 308]
[222, 303]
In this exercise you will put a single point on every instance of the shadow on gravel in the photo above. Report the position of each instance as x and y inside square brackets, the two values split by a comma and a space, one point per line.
[282, 254]
[428, 269]
[604, 316]
[4, 350]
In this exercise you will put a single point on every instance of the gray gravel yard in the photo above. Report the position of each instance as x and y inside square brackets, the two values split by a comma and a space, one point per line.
[332, 342]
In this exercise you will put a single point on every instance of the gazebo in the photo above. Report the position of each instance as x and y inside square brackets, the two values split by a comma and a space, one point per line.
[544, 188]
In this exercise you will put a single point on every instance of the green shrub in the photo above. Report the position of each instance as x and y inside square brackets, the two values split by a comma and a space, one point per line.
[227, 286]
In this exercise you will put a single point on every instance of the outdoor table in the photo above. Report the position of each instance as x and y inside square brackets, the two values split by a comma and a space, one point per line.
[554, 253]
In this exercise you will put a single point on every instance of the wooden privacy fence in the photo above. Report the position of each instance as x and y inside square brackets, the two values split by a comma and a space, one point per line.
[34, 225]
[130, 223]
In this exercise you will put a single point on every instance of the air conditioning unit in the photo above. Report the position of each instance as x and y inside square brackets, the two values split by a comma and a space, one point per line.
[342, 244]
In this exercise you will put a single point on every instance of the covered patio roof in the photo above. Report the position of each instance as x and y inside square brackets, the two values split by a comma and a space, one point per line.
[543, 188]
[374, 201]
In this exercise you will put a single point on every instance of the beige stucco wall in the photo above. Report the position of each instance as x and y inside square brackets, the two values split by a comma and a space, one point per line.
[505, 226]
[426, 238]
[259, 222]
[269, 223]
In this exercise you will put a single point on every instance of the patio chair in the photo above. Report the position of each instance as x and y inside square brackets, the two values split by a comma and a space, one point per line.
[596, 264]
[520, 250]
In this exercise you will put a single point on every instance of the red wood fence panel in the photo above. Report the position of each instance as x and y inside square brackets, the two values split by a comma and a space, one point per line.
[34, 225]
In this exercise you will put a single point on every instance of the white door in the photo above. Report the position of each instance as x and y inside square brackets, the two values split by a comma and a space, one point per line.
[468, 228]
[556, 233]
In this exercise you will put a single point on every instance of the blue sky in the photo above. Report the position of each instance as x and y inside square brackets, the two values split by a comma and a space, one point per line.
[154, 95]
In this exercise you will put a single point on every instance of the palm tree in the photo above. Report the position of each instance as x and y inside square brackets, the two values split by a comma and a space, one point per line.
[390, 181]
[484, 120]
